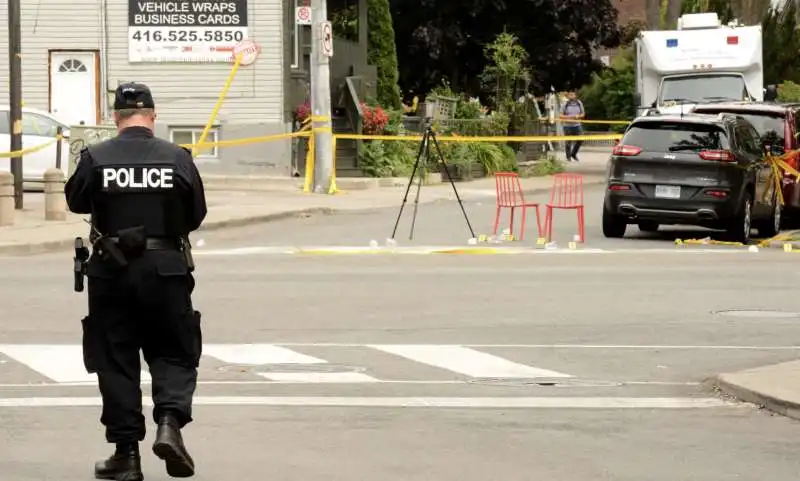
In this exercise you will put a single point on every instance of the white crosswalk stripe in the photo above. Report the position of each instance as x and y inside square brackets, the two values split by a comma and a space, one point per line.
[63, 364]
[467, 361]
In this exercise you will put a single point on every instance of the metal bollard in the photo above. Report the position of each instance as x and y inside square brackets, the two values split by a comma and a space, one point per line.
[55, 205]
[6, 199]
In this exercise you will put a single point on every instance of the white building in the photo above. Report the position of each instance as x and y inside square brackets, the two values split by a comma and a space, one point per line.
[75, 53]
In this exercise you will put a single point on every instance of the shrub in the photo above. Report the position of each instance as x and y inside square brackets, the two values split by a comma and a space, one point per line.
[390, 158]
[302, 111]
[382, 52]
[375, 119]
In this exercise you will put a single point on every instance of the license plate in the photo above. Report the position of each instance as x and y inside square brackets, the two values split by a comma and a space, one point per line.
[668, 191]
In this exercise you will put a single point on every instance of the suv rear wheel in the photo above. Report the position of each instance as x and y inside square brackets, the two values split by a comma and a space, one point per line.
[614, 226]
[771, 226]
[740, 226]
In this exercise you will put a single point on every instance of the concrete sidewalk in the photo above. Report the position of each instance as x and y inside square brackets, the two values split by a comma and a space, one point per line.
[775, 387]
[241, 200]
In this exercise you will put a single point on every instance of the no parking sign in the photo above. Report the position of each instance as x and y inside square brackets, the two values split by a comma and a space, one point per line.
[302, 15]
[326, 37]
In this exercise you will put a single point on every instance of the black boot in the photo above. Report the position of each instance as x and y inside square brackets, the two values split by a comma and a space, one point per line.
[124, 465]
[169, 447]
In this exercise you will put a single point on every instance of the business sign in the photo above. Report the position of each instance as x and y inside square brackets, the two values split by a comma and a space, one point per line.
[185, 30]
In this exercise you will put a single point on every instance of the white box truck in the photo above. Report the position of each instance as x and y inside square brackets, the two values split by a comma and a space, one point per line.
[702, 61]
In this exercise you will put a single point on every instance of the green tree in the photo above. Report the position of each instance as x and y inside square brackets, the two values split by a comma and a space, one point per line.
[781, 44]
[446, 40]
[723, 8]
[506, 73]
[382, 53]
[610, 94]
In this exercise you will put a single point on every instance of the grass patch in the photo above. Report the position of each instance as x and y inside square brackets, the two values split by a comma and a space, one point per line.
[543, 168]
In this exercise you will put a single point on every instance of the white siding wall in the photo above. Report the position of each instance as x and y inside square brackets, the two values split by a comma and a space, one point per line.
[46, 24]
[185, 93]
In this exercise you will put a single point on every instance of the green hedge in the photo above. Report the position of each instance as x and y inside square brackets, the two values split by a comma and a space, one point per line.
[382, 53]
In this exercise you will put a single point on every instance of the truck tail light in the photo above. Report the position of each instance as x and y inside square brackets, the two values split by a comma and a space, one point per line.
[718, 155]
[626, 150]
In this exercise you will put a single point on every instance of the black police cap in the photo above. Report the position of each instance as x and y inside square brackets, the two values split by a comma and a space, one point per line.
[133, 96]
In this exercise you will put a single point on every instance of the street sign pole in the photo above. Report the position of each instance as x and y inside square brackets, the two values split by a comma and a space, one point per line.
[321, 51]
[15, 95]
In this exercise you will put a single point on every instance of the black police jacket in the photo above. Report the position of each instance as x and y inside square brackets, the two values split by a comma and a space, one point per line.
[137, 179]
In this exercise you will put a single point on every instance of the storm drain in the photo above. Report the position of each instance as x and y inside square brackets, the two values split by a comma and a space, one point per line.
[301, 368]
[543, 382]
[763, 313]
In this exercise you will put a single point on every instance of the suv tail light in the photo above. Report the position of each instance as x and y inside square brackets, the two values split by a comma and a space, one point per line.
[626, 150]
[718, 155]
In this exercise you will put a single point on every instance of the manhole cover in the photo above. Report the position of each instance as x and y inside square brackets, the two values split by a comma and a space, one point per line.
[293, 368]
[544, 382]
[758, 313]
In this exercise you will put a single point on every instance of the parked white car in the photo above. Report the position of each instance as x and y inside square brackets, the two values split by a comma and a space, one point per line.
[38, 127]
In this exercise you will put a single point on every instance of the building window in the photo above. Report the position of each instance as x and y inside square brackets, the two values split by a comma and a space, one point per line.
[191, 136]
[72, 65]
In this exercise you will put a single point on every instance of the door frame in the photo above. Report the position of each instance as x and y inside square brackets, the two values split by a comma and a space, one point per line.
[97, 82]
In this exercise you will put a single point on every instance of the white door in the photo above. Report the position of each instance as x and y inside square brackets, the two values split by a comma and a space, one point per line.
[73, 87]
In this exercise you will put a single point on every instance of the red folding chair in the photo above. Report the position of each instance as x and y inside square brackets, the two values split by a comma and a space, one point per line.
[567, 194]
[509, 195]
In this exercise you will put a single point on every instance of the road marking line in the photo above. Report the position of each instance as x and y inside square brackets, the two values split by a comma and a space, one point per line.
[317, 377]
[406, 250]
[464, 360]
[61, 363]
[450, 249]
[405, 402]
[265, 354]
[257, 354]
[560, 346]
[374, 380]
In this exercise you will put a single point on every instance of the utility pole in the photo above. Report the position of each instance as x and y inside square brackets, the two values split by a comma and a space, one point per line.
[15, 95]
[321, 51]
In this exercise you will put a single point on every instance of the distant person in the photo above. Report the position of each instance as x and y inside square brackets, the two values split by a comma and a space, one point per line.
[571, 112]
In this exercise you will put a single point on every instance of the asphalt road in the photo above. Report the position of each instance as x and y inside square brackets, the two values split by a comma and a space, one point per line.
[567, 365]
[444, 223]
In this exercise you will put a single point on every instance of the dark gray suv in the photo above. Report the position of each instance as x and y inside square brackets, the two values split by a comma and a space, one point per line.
[692, 169]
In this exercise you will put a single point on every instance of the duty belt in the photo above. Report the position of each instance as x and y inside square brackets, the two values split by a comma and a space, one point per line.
[157, 243]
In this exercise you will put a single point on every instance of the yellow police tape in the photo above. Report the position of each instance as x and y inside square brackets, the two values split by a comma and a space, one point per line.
[309, 130]
[466, 138]
[600, 122]
[29, 150]
[778, 166]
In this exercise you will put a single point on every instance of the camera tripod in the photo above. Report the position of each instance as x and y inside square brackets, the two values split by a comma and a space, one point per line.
[428, 137]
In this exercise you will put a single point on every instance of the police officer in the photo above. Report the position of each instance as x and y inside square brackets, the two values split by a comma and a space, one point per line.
[145, 196]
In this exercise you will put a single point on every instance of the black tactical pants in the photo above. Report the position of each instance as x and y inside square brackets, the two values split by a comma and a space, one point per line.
[145, 306]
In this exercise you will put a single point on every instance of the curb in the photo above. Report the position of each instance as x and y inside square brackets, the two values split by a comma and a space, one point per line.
[66, 244]
[776, 405]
